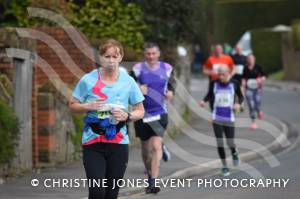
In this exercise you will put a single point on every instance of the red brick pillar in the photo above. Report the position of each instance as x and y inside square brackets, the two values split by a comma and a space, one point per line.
[43, 118]
[46, 123]
[35, 149]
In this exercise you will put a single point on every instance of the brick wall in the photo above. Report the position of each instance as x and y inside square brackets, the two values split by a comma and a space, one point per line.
[50, 135]
[45, 144]
[34, 112]
[48, 50]
[6, 66]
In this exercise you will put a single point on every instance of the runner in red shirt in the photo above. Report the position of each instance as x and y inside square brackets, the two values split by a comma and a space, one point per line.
[214, 62]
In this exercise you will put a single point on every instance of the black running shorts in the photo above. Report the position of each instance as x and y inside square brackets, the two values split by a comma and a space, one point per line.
[156, 128]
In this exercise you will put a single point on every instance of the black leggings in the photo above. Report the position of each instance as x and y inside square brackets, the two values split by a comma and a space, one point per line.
[105, 161]
[228, 130]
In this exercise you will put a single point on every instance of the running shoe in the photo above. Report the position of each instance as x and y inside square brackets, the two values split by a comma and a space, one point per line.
[152, 189]
[254, 126]
[260, 115]
[166, 154]
[235, 159]
[225, 171]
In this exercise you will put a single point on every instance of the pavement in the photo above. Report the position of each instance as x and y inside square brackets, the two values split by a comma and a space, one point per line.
[281, 103]
[286, 85]
[194, 150]
[193, 153]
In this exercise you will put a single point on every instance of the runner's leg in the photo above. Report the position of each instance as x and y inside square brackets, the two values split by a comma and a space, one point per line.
[146, 155]
[95, 167]
[229, 133]
[116, 165]
[218, 130]
[251, 103]
[156, 146]
[257, 99]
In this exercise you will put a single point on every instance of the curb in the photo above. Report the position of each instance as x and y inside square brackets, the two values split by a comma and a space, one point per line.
[210, 166]
[282, 85]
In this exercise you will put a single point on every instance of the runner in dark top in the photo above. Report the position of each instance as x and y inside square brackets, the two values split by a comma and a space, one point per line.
[222, 97]
[240, 62]
[253, 79]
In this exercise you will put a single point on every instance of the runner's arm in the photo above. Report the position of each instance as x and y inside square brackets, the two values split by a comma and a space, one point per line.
[171, 86]
[172, 83]
[76, 106]
[210, 94]
[138, 112]
[232, 66]
[262, 74]
[244, 78]
[238, 93]
[132, 74]
[207, 67]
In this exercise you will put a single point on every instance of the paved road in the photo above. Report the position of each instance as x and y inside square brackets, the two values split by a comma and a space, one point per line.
[284, 105]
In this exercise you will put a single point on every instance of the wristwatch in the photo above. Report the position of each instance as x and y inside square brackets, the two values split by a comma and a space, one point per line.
[129, 118]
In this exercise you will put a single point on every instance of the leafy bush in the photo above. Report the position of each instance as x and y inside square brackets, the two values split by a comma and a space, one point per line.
[13, 13]
[234, 17]
[266, 46]
[296, 34]
[110, 19]
[77, 135]
[9, 133]
[279, 75]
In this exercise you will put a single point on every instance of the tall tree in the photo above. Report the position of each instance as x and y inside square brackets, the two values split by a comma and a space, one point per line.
[170, 21]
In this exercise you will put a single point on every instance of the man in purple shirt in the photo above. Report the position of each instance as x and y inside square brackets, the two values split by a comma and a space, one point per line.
[157, 85]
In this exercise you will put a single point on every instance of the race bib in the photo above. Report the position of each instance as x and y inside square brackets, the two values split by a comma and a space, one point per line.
[252, 83]
[239, 69]
[223, 99]
[151, 119]
[216, 67]
[105, 112]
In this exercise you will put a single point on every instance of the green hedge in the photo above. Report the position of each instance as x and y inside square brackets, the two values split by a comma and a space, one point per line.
[9, 133]
[266, 46]
[296, 34]
[77, 135]
[234, 17]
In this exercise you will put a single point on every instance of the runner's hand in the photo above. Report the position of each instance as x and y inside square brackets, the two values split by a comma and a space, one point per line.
[201, 103]
[95, 105]
[213, 72]
[169, 95]
[237, 107]
[144, 89]
[260, 80]
[119, 114]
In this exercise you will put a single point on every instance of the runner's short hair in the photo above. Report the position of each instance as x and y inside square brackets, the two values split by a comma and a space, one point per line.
[151, 45]
[111, 43]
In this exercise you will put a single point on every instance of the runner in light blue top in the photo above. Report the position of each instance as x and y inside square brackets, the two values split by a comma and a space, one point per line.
[123, 92]
[103, 95]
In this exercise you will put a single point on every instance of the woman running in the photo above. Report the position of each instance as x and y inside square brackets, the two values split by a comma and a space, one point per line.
[104, 95]
[253, 79]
